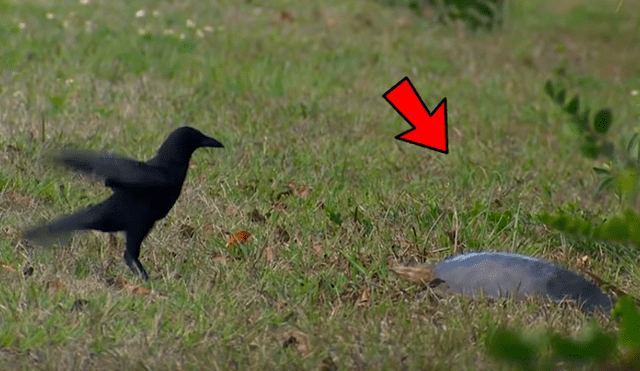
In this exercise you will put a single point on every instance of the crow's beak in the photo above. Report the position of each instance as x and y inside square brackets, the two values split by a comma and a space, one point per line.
[210, 142]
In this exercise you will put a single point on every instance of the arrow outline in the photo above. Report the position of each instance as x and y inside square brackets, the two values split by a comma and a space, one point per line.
[413, 127]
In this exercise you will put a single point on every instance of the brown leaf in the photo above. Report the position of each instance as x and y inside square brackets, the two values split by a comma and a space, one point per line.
[8, 267]
[240, 236]
[291, 186]
[364, 298]
[120, 283]
[286, 16]
[583, 262]
[138, 290]
[304, 190]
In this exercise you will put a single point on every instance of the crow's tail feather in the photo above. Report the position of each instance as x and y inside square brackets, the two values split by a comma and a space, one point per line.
[57, 232]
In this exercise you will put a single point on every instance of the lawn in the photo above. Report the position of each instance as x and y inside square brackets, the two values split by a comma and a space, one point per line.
[310, 168]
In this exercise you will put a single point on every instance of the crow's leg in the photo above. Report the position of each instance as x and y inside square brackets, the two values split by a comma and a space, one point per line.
[134, 240]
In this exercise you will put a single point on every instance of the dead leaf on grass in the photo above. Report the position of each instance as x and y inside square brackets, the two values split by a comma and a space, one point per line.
[292, 189]
[138, 290]
[302, 190]
[365, 296]
[8, 267]
[120, 283]
[583, 262]
[240, 236]
[286, 16]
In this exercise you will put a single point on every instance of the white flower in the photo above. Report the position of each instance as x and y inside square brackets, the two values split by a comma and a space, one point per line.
[190, 23]
[169, 31]
[634, 92]
[208, 28]
[199, 33]
[140, 13]
[50, 16]
[182, 36]
[22, 25]
[84, 2]
[156, 13]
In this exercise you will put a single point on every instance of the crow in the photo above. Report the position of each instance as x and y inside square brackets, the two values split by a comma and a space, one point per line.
[143, 192]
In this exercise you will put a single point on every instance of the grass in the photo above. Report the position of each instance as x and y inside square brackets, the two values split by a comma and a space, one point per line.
[296, 97]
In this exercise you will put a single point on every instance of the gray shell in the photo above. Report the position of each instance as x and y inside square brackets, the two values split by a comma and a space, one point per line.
[499, 274]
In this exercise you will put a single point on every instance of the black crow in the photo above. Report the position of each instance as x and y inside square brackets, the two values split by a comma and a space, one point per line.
[143, 192]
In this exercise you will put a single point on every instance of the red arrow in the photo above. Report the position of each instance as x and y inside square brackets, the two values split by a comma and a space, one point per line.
[427, 129]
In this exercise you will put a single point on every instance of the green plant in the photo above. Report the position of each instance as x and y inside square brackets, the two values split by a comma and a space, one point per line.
[595, 347]
[620, 168]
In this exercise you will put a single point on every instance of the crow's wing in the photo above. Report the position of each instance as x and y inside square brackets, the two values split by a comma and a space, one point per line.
[116, 172]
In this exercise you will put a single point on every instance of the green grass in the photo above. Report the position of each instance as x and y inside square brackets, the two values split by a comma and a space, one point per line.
[297, 102]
